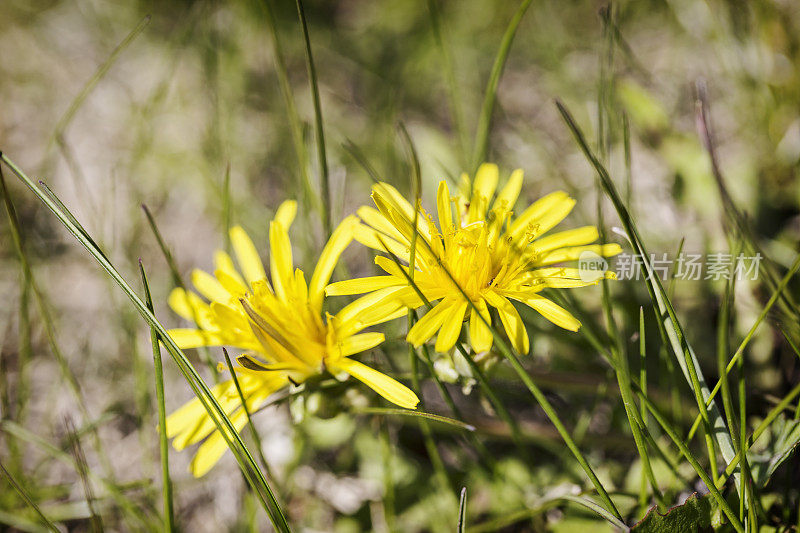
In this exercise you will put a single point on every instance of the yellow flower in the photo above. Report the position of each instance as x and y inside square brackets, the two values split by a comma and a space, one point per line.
[492, 255]
[281, 327]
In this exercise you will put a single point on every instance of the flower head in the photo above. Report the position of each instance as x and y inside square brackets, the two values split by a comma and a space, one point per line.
[481, 251]
[281, 327]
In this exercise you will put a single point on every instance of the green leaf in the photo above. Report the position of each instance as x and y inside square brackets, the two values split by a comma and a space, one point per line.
[698, 513]
[783, 442]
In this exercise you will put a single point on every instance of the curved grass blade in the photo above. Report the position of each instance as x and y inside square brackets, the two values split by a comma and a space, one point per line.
[418, 414]
[667, 318]
[246, 462]
[490, 96]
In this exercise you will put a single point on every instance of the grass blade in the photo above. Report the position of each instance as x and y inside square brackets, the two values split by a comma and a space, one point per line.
[246, 462]
[25, 496]
[418, 414]
[456, 108]
[320, 134]
[462, 510]
[96, 524]
[667, 317]
[490, 95]
[295, 124]
[169, 513]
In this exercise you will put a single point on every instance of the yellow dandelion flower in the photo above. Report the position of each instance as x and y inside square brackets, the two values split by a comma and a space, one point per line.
[492, 255]
[281, 327]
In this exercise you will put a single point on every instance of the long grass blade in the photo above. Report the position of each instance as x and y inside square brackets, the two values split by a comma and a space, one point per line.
[47, 319]
[490, 95]
[456, 108]
[32, 504]
[320, 133]
[418, 414]
[667, 318]
[295, 124]
[166, 481]
[246, 462]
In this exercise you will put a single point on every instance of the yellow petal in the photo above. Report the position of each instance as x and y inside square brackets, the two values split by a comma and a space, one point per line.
[223, 262]
[190, 307]
[286, 213]
[378, 241]
[573, 237]
[451, 327]
[339, 240]
[480, 336]
[280, 259]
[482, 191]
[354, 344]
[208, 286]
[352, 312]
[373, 217]
[512, 323]
[574, 253]
[247, 255]
[210, 452]
[428, 325]
[362, 285]
[552, 312]
[443, 207]
[194, 338]
[192, 411]
[530, 218]
[392, 390]
[234, 286]
[510, 191]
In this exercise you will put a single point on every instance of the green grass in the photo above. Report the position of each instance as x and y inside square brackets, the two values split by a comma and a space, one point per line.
[211, 114]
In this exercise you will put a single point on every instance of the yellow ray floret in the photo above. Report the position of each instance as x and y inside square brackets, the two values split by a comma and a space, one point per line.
[280, 326]
[481, 250]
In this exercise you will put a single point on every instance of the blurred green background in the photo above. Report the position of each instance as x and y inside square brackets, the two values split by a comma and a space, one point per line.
[195, 97]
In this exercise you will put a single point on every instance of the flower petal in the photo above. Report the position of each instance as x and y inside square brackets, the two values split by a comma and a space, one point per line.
[512, 323]
[280, 259]
[286, 213]
[573, 237]
[510, 192]
[443, 207]
[427, 326]
[210, 452]
[362, 285]
[354, 344]
[551, 311]
[194, 338]
[223, 262]
[574, 253]
[480, 335]
[451, 327]
[482, 191]
[191, 307]
[247, 255]
[208, 286]
[392, 390]
[339, 240]
[530, 220]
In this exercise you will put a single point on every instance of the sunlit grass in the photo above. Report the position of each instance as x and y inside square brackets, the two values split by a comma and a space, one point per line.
[249, 105]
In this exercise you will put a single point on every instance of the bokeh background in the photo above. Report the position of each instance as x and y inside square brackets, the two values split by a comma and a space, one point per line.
[188, 119]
